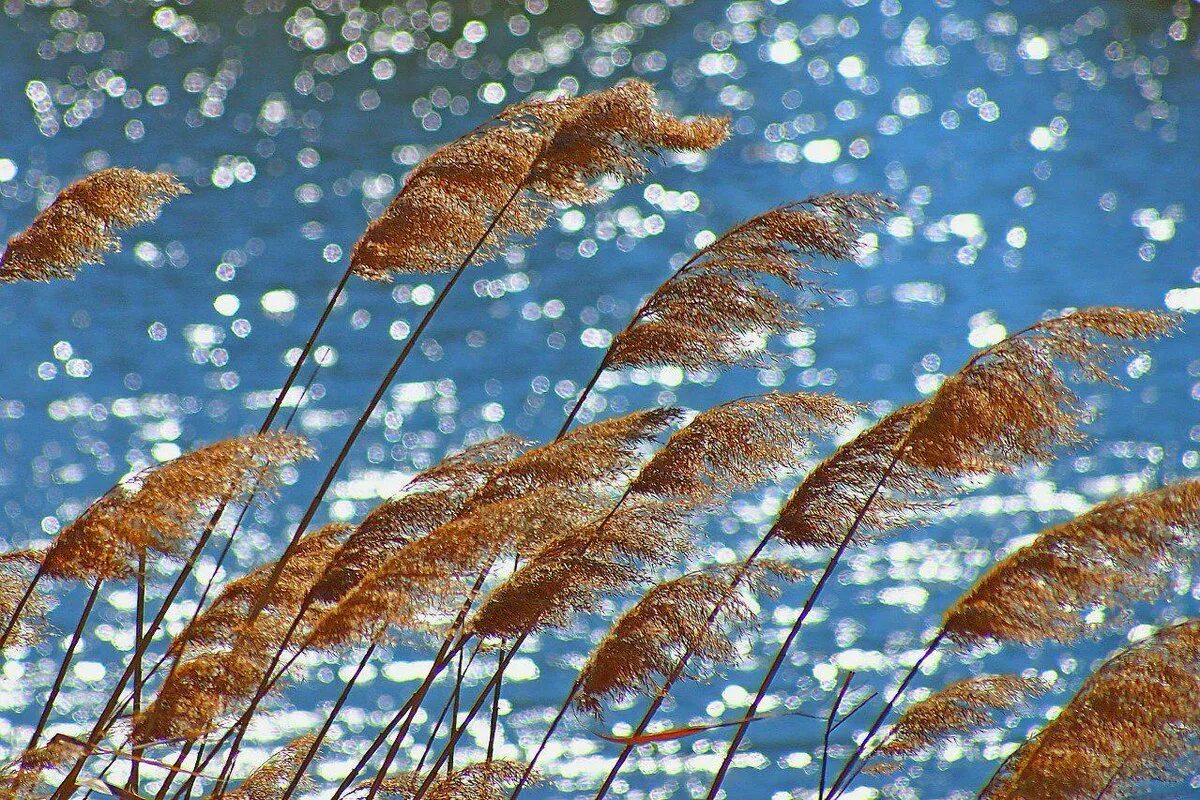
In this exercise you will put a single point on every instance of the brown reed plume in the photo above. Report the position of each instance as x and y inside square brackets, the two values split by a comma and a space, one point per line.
[1121, 551]
[1011, 403]
[219, 624]
[19, 779]
[720, 308]
[430, 499]
[20, 604]
[729, 448]
[199, 691]
[1137, 718]
[269, 780]
[80, 226]
[824, 506]
[957, 708]
[223, 655]
[487, 780]
[477, 195]
[164, 507]
[671, 619]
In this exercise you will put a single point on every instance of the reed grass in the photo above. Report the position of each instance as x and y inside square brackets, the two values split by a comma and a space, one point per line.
[505, 539]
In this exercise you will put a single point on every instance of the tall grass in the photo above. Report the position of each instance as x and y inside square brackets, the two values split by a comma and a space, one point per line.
[508, 539]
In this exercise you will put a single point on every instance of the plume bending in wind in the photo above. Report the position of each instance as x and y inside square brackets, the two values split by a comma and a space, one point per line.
[671, 619]
[1137, 718]
[496, 185]
[166, 505]
[1119, 552]
[80, 226]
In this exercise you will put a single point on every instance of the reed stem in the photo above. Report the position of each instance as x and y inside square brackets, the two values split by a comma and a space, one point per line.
[138, 677]
[833, 712]
[61, 678]
[843, 779]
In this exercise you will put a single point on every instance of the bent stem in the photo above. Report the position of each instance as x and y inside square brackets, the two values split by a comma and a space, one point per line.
[62, 670]
[558, 718]
[842, 782]
[138, 676]
[833, 712]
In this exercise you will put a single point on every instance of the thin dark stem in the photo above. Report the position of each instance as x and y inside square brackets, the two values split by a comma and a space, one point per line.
[494, 723]
[20, 606]
[554, 723]
[833, 712]
[583, 395]
[399, 719]
[167, 781]
[448, 751]
[138, 677]
[308, 346]
[329, 718]
[66, 664]
[455, 700]
[842, 782]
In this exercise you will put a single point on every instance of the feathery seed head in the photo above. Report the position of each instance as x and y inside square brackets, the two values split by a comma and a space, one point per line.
[79, 226]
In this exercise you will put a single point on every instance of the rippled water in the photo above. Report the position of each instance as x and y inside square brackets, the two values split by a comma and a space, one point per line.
[1043, 156]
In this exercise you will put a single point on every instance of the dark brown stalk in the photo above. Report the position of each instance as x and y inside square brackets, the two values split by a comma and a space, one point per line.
[842, 781]
[833, 712]
[62, 670]
[138, 677]
[554, 723]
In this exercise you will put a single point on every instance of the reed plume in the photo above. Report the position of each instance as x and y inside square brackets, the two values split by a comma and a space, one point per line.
[431, 499]
[737, 445]
[165, 505]
[218, 625]
[824, 506]
[480, 193]
[20, 603]
[488, 780]
[1011, 403]
[223, 656]
[1119, 552]
[269, 781]
[80, 226]
[720, 307]
[729, 448]
[670, 620]
[199, 691]
[962, 706]
[1137, 718]
[544, 489]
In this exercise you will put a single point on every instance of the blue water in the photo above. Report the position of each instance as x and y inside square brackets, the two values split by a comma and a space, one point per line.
[1042, 155]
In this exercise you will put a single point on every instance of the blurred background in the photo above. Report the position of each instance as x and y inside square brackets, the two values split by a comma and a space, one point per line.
[1042, 155]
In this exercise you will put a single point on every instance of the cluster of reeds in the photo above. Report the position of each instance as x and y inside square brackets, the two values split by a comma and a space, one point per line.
[508, 539]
